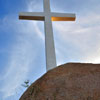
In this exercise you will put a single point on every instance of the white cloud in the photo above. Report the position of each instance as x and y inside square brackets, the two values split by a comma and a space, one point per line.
[82, 35]
[22, 55]
[34, 6]
[20, 61]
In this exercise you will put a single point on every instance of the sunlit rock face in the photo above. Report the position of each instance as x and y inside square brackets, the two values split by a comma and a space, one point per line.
[72, 81]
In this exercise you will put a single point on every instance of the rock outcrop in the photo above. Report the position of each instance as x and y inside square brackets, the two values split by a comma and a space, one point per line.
[72, 81]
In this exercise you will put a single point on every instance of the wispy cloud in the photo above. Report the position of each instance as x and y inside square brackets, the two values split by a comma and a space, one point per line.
[22, 55]
[79, 40]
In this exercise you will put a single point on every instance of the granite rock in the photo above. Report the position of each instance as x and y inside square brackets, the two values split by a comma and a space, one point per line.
[72, 81]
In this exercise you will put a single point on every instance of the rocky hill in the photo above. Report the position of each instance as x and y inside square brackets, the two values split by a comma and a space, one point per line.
[72, 81]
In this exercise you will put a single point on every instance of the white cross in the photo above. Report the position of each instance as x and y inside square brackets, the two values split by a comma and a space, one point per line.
[47, 16]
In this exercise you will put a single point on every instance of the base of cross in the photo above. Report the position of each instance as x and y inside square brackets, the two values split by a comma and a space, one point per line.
[72, 81]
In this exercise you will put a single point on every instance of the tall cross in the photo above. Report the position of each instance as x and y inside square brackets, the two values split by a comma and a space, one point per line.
[47, 16]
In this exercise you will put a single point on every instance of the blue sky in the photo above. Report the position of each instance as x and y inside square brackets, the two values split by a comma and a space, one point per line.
[22, 49]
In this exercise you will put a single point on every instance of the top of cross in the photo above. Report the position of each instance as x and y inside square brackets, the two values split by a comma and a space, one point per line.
[47, 12]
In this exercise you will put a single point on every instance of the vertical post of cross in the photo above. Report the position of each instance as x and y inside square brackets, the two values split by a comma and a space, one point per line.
[49, 40]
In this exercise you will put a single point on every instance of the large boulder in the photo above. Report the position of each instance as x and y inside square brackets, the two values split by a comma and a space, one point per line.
[72, 81]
